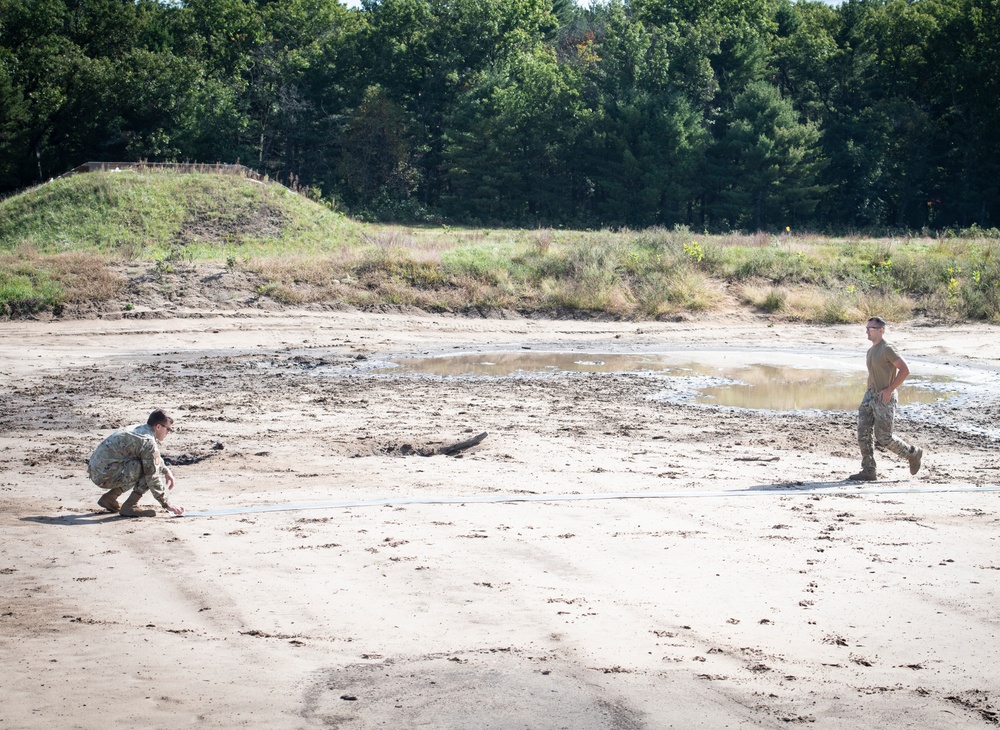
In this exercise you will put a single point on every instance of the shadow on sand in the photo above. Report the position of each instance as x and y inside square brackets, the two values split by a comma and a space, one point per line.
[837, 485]
[87, 518]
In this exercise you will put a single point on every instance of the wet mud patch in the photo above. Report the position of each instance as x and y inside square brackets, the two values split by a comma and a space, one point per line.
[482, 689]
[744, 379]
[193, 457]
[751, 379]
[978, 702]
[184, 459]
[66, 456]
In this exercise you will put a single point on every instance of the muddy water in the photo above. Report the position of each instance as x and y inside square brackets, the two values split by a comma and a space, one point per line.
[736, 379]
[787, 388]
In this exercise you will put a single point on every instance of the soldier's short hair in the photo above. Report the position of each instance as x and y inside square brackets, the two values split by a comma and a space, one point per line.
[877, 320]
[159, 417]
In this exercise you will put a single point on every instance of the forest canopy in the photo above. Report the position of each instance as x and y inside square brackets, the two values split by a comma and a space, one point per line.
[712, 114]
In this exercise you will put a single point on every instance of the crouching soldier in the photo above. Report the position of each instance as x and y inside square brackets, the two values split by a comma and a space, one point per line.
[130, 459]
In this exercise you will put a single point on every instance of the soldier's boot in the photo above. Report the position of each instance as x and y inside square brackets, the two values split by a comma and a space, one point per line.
[865, 475]
[914, 458]
[110, 499]
[130, 508]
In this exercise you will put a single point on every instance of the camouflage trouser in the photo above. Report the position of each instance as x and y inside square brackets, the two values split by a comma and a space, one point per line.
[875, 424]
[124, 475]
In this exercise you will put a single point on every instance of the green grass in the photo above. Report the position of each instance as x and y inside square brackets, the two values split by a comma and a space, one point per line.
[26, 291]
[61, 241]
[31, 282]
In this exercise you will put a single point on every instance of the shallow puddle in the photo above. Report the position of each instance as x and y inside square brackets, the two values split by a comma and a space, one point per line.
[768, 387]
[736, 379]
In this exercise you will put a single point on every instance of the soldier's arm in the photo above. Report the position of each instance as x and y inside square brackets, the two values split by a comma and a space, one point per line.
[154, 469]
[902, 372]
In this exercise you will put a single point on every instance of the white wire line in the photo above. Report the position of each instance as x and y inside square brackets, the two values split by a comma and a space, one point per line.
[499, 498]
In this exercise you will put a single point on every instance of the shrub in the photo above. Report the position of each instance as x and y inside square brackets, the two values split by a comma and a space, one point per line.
[773, 301]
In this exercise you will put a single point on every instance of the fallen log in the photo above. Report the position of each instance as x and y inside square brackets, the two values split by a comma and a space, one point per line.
[452, 449]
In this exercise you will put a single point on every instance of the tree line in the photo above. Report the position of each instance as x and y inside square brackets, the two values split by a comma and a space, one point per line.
[712, 114]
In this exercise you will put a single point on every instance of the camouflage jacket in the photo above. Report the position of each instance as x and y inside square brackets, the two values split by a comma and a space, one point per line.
[136, 444]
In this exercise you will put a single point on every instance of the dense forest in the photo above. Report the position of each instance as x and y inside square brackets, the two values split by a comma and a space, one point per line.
[712, 114]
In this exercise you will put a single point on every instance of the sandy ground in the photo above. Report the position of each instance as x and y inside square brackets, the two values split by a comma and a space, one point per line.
[758, 590]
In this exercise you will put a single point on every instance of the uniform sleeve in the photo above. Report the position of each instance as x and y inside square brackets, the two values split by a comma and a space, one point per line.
[154, 470]
[889, 354]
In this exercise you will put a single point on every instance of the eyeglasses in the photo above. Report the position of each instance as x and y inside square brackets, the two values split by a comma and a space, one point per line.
[873, 328]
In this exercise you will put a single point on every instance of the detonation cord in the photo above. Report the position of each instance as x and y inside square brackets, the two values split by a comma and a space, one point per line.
[499, 499]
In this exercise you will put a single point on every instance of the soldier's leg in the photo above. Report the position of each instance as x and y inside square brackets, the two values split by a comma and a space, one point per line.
[117, 478]
[866, 433]
[884, 418]
[131, 508]
[109, 500]
[885, 414]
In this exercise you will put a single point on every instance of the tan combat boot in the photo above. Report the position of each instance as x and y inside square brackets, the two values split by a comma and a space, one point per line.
[129, 509]
[110, 499]
[914, 458]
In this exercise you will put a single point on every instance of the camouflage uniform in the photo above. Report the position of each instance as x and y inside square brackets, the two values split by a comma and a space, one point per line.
[875, 417]
[130, 459]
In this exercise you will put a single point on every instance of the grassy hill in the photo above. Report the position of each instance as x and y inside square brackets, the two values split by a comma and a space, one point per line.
[152, 214]
[162, 241]
[67, 241]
